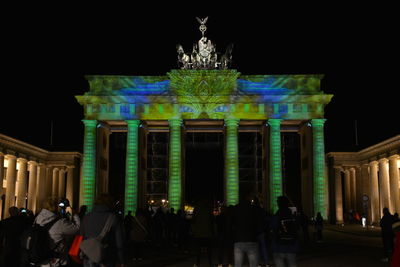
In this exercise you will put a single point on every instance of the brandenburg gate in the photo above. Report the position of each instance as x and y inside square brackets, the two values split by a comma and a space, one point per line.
[203, 92]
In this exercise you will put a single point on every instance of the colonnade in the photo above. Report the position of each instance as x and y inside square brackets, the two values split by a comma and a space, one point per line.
[378, 180]
[231, 186]
[27, 183]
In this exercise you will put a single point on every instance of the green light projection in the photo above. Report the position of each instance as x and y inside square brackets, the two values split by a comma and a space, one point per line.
[89, 164]
[131, 174]
[232, 162]
[175, 175]
[319, 178]
[275, 163]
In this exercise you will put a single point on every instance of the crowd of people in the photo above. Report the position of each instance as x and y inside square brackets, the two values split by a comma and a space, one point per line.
[240, 234]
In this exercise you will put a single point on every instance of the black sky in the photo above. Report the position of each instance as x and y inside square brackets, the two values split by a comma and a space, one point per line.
[46, 57]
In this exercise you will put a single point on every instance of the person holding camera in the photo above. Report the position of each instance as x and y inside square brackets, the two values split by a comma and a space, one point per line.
[62, 229]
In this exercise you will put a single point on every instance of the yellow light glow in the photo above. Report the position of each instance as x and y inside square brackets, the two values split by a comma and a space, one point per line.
[5, 163]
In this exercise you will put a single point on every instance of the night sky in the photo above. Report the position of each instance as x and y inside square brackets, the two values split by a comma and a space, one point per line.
[46, 57]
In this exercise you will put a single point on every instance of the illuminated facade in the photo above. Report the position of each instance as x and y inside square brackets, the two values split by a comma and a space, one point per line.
[188, 99]
[372, 172]
[30, 174]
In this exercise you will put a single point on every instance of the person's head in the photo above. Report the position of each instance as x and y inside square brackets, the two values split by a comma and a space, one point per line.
[83, 209]
[172, 210]
[319, 214]
[51, 204]
[105, 200]
[385, 211]
[14, 211]
[283, 202]
[129, 212]
[396, 215]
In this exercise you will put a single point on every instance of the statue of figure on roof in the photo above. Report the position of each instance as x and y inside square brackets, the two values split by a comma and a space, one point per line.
[204, 54]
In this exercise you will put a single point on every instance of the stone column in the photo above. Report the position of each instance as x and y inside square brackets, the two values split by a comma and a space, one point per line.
[353, 188]
[10, 177]
[56, 180]
[319, 179]
[41, 186]
[384, 183]
[70, 185]
[49, 181]
[359, 190]
[347, 190]
[32, 186]
[88, 188]
[2, 191]
[275, 163]
[175, 168]
[61, 183]
[374, 195]
[338, 194]
[231, 162]
[22, 184]
[394, 183]
[366, 188]
[131, 170]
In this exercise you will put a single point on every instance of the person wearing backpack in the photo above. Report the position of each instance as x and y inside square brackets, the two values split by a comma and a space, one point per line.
[285, 243]
[48, 225]
[103, 225]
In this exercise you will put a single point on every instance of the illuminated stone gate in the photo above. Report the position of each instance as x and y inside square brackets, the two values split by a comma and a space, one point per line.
[271, 104]
[205, 93]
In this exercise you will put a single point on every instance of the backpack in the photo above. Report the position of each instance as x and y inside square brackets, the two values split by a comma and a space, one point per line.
[93, 247]
[287, 230]
[35, 242]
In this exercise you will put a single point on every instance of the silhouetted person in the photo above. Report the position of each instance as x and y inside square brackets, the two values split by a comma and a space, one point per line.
[261, 238]
[128, 220]
[285, 244]
[304, 223]
[139, 233]
[203, 230]
[158, 227]
[247, 224]
[319, 225]
[387, 233]
[82, 212]
[11, 230]
[183, 231]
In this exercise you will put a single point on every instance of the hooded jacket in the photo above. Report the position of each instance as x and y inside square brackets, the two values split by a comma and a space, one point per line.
[61, 234]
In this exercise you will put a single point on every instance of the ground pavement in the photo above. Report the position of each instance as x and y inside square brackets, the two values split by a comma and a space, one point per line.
[350, 245]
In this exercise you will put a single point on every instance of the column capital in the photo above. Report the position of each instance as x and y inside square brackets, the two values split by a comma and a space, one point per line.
[317, 122]
[383, 160]
[175, 122]
[394, 157]
[9, 156]
[373, 163]
[340, 168]
[32, 162]
[22, 160]
[231, 122]
[274, 122]
[133, 122]
[90, 123]
[70, 167]
[41, 165]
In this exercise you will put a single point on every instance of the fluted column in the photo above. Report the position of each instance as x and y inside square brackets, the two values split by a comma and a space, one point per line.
[353, 188]
[22, 183]
[319, 179]
[10, 177]
[61, 183]
[175, 167]
[41, 186]
[394, 183]
[384, 183]
[374, 195]
[131, 171]
[275, 163]
[347, 190]
[89, 164]
[338, 194]
[56, 180]
[70, 185]
[32, 185]
[232, 162]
